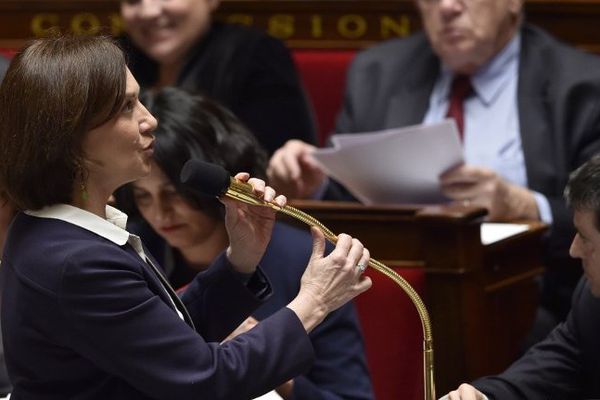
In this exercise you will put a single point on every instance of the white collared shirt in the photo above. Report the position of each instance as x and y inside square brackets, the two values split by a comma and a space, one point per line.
[112, 228]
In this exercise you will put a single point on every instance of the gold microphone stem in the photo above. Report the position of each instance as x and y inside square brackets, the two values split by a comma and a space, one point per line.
[428, 372]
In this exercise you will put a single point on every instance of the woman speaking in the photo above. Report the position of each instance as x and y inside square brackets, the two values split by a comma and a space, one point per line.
[86, 312]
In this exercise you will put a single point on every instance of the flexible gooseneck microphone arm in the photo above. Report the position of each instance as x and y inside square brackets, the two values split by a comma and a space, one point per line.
[213, 180]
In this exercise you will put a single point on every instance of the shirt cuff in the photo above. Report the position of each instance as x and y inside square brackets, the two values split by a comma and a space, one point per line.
[543, 208]
[244, 277]
[256, 282]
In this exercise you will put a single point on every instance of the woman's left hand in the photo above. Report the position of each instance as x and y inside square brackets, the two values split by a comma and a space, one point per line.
[249, 227]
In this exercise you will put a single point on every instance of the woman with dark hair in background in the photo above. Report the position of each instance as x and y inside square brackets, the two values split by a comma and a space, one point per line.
[86, 312]
[177, 43]
[187, 231]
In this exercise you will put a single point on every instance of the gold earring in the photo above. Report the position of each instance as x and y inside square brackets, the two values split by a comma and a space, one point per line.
[84, 193]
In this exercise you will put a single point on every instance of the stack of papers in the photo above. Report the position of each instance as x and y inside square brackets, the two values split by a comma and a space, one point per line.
[400, 165]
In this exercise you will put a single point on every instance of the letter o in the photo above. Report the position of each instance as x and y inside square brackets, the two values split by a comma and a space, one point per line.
[352, 26]
[85, 24]
[43, 24]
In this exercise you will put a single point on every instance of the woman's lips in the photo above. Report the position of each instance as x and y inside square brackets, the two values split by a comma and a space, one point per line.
[149, 150]
[170, 228]
[157, 33]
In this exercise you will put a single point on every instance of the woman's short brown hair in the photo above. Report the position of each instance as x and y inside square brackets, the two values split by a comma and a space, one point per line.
[54, 92]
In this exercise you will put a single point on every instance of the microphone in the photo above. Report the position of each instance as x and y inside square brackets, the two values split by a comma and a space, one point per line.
[213, 180]
[210, 179]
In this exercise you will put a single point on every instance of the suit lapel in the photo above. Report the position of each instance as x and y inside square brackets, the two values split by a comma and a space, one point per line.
[154, 265]
[533, 106]
[410, 100]
[407, 107]
[159, 284]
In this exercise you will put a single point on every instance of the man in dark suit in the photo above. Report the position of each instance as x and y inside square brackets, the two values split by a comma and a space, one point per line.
[531, 115]
[565, 365]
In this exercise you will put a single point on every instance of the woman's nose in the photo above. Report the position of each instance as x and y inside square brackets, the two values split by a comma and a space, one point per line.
[150, 8]
[163, 211]
[148, 123]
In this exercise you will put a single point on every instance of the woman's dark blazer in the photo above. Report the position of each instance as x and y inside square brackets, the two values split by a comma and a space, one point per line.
[84, 318]
[340, 368]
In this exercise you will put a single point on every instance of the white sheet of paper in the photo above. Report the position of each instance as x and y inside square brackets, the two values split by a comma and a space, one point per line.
[348, 139]
[272, 395]
[492, 232]
[396, 165]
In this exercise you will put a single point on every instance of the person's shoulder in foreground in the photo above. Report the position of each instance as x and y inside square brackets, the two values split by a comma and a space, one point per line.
[563, 366]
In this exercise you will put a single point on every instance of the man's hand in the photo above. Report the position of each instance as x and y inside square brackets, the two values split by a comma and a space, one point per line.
[465, 392]
[484, 188]
[294, 172]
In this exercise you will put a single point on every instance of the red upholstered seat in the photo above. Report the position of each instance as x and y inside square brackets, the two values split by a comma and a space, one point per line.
[393, 335]
[389, 320]
[324, 75]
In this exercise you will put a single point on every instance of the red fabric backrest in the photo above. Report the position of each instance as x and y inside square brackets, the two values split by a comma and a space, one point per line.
[323, 73]
[8, 52]
[393, 335]
[389, 320]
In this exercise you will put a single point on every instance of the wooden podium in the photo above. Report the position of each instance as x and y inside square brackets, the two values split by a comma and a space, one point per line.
[481, 298]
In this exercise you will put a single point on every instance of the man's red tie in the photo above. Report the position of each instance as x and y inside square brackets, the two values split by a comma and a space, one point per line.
[461, 89]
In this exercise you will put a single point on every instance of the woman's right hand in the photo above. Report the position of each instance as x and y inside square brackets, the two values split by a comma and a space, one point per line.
[329, 282]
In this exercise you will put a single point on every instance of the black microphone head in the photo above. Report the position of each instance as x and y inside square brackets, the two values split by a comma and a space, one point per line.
[206, 178]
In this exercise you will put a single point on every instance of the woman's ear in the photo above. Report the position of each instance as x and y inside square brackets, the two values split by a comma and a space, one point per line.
[214, 4]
